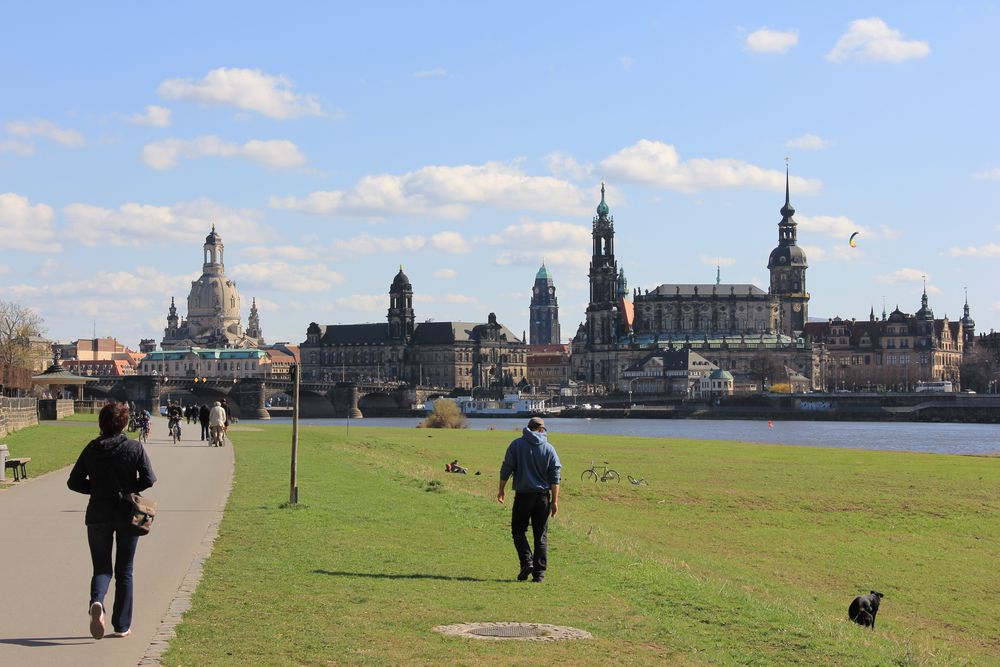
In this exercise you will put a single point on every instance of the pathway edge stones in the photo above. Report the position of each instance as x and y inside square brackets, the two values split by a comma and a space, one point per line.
[182, 599]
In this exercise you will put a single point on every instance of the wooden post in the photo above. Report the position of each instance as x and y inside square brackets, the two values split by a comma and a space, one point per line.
[293, 494]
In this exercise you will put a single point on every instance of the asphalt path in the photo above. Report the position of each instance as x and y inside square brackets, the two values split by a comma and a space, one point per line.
[45, 562]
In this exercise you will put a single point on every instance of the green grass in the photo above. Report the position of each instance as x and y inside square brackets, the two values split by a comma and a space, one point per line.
[734, 554]
[50, 445]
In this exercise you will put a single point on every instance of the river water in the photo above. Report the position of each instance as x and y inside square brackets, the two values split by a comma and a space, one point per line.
[894, 436]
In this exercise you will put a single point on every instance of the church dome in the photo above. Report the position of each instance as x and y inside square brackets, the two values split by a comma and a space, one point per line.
[897, 316]
[401, 281]
[543, 274]
[602, 208]
[213, 238]
[787, 255]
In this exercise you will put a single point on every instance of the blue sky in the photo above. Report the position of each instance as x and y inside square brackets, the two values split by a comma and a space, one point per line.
[467, 141]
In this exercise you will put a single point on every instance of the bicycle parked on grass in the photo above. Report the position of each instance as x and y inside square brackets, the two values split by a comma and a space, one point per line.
[606, 475]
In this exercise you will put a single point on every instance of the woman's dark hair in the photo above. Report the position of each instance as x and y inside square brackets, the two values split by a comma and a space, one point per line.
[113, 418]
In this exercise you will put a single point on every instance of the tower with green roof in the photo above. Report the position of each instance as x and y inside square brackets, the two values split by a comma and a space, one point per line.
[544, 310]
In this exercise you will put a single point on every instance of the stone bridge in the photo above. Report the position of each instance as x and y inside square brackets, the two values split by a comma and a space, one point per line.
[247, 397]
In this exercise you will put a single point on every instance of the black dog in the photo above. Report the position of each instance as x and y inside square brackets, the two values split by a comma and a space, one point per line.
[864, 609]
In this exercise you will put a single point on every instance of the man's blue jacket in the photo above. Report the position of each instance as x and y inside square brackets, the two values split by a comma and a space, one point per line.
[533, 462]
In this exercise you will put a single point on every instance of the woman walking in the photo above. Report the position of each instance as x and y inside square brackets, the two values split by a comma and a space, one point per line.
[109, 467]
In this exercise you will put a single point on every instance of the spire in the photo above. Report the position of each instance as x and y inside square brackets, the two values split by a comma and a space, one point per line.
[871, 315]
[718, 273]
[965, 310]
[787, 211]
[602, 208]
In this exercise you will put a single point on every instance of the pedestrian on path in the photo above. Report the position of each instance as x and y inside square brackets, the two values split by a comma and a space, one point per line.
[535, 466]
[109, 467]
[203, 420]
[217, 424]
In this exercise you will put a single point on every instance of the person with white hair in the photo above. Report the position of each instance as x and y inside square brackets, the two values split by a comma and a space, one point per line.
[217, 424]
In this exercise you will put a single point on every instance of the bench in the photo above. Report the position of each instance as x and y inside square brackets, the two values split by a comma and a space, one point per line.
[20, 467]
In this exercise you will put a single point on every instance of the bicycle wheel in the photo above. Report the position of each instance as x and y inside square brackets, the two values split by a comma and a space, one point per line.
[611, 474]
[589, 474]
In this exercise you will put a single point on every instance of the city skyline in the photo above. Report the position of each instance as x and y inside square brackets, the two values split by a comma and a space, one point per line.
[468, 144]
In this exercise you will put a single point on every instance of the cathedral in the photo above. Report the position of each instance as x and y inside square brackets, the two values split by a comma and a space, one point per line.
[213, 317]
[737, 327]
[441, 354]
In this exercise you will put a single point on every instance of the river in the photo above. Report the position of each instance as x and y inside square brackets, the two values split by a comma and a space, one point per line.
[891, 436]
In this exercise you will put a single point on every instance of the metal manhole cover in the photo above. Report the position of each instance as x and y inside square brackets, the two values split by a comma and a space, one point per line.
[508, 631]
[539, 632]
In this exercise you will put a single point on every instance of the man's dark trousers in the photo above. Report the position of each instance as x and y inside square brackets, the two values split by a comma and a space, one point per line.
[532, 507]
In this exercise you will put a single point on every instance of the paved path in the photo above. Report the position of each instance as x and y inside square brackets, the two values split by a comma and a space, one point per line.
[45, 563]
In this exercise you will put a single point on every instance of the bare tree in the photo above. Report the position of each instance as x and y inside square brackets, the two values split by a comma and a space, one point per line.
[17, 325]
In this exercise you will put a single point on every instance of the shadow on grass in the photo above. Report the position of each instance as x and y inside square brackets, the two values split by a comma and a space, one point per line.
[415, 575]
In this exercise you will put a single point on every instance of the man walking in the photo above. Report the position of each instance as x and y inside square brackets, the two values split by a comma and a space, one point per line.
[217, 424]
[203, 420]
[535, 466]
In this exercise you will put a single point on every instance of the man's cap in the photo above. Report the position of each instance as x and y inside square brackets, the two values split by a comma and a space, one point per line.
[535, 422]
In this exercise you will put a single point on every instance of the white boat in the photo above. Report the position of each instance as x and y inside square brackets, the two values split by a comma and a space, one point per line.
[511, 405]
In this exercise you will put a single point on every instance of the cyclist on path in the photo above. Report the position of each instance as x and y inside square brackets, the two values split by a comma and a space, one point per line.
[535, 466]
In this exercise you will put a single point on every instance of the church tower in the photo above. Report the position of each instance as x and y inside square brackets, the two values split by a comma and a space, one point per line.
[400, 315]
[968, 327]
[253, 325]
[544, 310]
[603, 278]
[787, 265]
[173, 322]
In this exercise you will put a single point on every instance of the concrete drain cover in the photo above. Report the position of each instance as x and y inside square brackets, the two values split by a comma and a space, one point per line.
[539, 632]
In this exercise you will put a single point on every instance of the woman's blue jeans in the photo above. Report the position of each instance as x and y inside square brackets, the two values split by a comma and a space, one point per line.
[102, 538]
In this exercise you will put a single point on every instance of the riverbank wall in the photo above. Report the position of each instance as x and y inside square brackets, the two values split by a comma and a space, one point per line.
[17, 413]
[810, 407]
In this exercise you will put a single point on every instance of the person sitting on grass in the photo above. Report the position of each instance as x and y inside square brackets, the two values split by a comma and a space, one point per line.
[454, 467]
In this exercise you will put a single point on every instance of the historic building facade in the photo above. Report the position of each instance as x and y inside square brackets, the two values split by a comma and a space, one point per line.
[213, 315]
[894, 352]
[736, 327]
[544, 310]
[440, 354]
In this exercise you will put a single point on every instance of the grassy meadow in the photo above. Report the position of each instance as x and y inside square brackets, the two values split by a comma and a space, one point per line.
[51, 445]
[733, 554]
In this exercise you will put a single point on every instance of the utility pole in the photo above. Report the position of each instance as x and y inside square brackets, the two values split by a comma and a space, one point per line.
[293, 494]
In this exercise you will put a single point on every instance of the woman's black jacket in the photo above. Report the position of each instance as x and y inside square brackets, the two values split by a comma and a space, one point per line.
[108, 467]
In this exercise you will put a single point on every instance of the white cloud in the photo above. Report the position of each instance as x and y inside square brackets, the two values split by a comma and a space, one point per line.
[902, 276]
[22, 148]
[44, 129]
[26, 226]
[657, 164]
[155, 116]
[445, 274]
[985, 175]
[841, 227]
[626, 62]
[988, 250]
[871, 39]
[717, 261]
[275, 153]
[366, 303]
[364, 244]
[286, 252]
[249, 89]
[563, 165]
[450, 242]
[460, 298]
[429, 73]
[444, 192]
[771, 41]
[282, 276]
[837, 253]
[185, 223]
[142, 282]
[555, 242]
[808, 142]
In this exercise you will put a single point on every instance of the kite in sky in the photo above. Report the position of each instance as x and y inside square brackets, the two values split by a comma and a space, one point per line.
[852, 242]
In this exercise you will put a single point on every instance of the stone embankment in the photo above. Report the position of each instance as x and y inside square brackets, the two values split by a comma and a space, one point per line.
[973, 409]
[17, 413]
